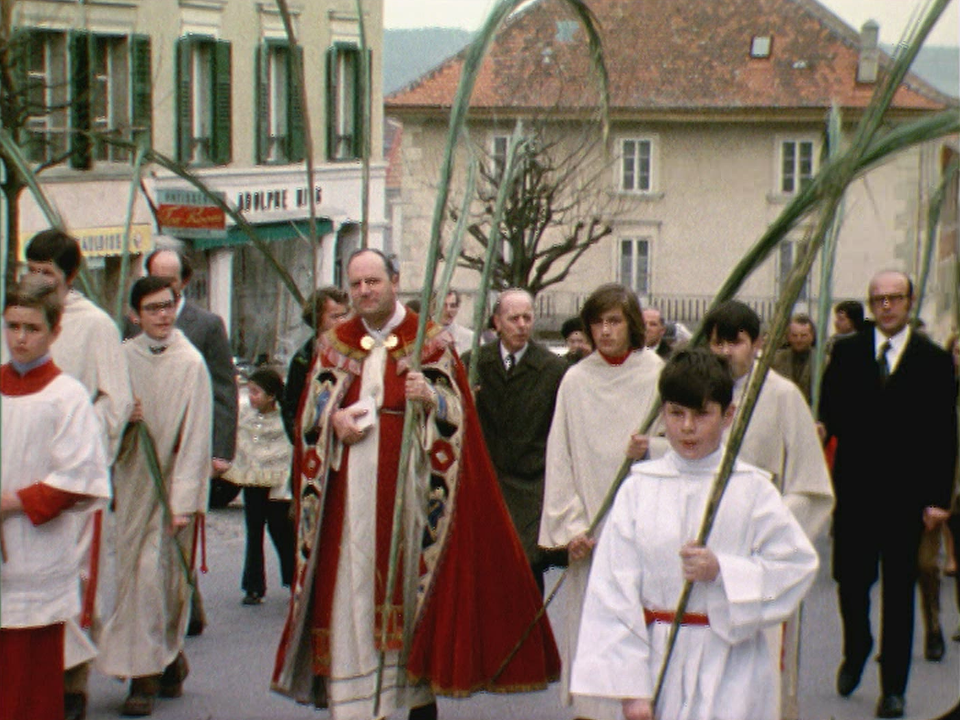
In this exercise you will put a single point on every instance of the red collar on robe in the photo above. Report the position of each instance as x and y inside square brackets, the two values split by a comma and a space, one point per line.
[616, 360]
[341, 347]
[14, 384]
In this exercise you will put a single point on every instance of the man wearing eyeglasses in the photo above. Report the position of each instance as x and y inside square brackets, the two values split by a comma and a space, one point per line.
[889, 397]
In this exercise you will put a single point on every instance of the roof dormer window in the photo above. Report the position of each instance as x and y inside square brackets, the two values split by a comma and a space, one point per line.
[760, 46]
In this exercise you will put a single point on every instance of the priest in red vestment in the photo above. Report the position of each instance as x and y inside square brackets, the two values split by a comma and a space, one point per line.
[465, 594]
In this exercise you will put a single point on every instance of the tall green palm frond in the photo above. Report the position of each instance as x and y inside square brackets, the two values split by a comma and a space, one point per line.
[456, 241]
[839, 173]
[828, 258]
[934, 210]
[127, 227]
[365, 130]
[300, 86]
[494, 244]
[14, 157]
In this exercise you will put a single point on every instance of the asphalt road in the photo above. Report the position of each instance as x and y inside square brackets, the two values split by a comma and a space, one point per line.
[231, 662]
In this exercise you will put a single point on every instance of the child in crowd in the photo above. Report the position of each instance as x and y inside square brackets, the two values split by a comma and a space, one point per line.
[262, 467]
[756, 567]
[53, 466]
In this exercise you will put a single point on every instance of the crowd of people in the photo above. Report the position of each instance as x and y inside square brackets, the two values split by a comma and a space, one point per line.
[414, 514]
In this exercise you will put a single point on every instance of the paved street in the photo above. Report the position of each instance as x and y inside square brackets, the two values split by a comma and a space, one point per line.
[231, 662]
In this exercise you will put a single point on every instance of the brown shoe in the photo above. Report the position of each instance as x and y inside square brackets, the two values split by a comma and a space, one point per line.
[74, 706]
[171, 682]
[143, 692]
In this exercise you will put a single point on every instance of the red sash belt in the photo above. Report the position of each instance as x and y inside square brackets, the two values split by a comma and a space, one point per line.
[666, 616]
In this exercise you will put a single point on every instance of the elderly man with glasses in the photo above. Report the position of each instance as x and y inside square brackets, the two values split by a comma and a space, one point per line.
[889, 397]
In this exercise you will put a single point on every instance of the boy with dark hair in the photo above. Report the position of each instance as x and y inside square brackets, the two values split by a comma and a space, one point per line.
[753, 572]
[781, 439]
[143, 640]
[593, 431]
[88, 349]
[54, 469]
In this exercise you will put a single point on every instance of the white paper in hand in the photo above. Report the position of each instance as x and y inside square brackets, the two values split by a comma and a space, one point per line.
[369, 404]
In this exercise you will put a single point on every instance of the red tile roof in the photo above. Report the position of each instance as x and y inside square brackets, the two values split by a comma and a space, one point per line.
[670, 55]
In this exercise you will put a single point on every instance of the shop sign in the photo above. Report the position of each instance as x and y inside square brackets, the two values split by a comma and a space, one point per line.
[189, 214]
[104, 242]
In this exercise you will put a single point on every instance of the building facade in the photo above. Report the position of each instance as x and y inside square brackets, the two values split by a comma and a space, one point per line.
[718, 113]
[211, 85]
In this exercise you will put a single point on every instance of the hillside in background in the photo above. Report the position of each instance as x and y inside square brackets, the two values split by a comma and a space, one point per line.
[939, 65]
[408, 54]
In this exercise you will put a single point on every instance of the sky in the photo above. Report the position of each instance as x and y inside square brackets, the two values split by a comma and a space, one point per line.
[893, 16]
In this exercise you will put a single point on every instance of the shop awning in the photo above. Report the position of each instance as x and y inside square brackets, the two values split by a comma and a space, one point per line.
[268, 232]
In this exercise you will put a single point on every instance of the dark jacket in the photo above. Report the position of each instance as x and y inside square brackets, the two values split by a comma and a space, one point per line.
[296, 381]
[205, 330]
[516, 409]
[896, 442]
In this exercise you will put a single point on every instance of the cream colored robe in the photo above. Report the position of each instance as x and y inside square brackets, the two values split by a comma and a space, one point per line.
[598, 407]
[782, 439]
[146, 630]
[89, 350]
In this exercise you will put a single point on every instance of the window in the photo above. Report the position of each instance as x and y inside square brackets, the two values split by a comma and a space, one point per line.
[279, 116]
[498, 155]
[43, 63]
[80, 81]
[635, 264]
[109, 101]
[796, 165]
[203, 101]
[344, 86]
[636, 166]
[789, 251]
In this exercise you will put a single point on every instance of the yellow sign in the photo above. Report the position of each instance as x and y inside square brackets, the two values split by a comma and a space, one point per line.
[105, 241]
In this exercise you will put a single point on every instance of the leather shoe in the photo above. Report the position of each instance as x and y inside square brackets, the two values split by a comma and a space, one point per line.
[171, 682]
[891, 706]
[74, 706]
[848, 678]
[934, 647]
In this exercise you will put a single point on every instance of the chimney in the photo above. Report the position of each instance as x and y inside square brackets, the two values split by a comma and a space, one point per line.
[869, 62]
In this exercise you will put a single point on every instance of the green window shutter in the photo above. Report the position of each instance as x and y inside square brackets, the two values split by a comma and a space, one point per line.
[295, 126]
[262, 100]
[14, 115]
[184, 99]
[222, 130]
[80, 49]
[141, 90]
[331, 103]
[360, 86]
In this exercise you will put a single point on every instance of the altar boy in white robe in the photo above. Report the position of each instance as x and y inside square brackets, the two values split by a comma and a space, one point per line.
[143, 639]
[54, 470]
[753, 572]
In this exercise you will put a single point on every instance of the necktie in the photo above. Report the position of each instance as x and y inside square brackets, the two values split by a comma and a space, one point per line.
[157, 349]
[882, 362]
[509, 361]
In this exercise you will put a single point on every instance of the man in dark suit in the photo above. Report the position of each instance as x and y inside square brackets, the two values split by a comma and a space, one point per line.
[206, 331]
[889, 397]
[518, 383]
[654, 331]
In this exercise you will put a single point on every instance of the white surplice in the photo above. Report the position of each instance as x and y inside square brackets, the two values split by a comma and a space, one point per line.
[718, 672]
[146, 630]
[50, 437]
[599, 406]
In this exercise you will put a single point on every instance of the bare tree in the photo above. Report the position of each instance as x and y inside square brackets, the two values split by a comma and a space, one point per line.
[558, 208]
